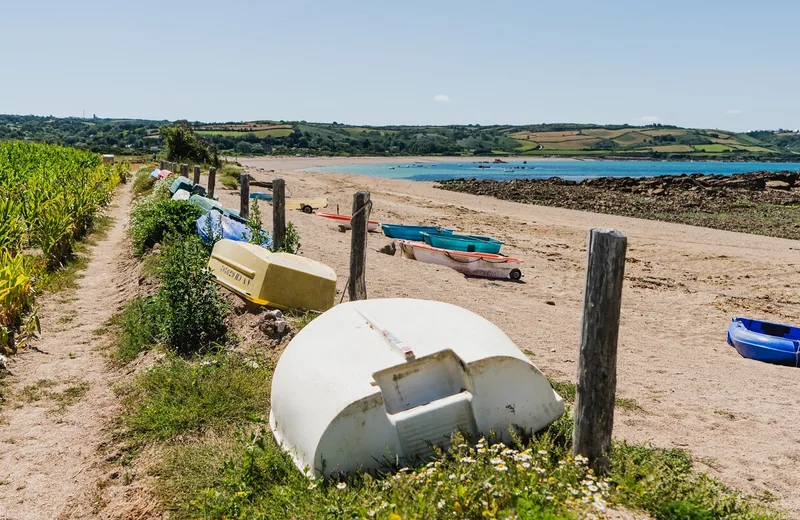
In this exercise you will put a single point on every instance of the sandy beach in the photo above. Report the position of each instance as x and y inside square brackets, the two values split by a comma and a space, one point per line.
[683, 285]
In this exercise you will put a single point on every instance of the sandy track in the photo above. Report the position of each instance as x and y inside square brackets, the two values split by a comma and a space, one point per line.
[50, 459]
[683, 285]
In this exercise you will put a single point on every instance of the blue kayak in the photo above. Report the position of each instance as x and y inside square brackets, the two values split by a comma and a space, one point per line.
[468, 243]
[404, 232]
[765, 341]
[230, 228]
[260, 195]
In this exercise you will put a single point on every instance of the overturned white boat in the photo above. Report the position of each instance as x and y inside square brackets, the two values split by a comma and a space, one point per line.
[372, 380]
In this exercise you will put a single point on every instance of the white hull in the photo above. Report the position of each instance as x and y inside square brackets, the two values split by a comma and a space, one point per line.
[484, 266]
[374, 381]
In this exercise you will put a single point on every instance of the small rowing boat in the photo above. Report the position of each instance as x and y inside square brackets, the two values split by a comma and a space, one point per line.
[468, 243]
[414, 233]
[483, 265]
[344, 220]
[260, 195]
[765, 341]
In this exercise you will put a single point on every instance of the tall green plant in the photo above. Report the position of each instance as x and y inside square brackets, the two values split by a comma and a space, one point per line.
[192, 312]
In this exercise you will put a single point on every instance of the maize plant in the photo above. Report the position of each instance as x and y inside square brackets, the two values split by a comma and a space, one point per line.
[16, 296]
[49, 196]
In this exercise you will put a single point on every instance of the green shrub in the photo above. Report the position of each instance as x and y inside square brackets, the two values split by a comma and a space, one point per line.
[191, 310]
[139, 328]
[142, 182]
[152, 220]
[182, 396]
[257, 234]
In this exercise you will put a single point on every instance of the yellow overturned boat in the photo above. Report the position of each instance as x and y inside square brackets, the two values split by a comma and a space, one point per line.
[280, 280]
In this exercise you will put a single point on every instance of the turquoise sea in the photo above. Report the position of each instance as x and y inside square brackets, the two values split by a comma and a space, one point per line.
[539, 169]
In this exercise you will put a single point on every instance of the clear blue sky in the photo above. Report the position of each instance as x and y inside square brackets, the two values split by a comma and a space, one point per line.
[715, 64]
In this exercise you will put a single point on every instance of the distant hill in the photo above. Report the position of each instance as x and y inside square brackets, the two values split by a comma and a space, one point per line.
[300, 137]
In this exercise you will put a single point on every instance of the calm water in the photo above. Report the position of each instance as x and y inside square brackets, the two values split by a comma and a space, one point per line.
[575, 170]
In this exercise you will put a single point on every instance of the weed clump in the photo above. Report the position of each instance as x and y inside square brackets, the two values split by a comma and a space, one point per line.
[154, 220]
[192, 311]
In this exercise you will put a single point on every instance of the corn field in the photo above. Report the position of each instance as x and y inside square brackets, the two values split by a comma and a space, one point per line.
[49, 196]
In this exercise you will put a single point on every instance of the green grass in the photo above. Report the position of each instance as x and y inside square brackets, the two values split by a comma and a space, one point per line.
[136, 329]
[228, 175]
[525, 146]
[41, 391]
[235, 475]
[191, 396]
[712, 147]
[142, 182]
[567, 390]
[219, 463]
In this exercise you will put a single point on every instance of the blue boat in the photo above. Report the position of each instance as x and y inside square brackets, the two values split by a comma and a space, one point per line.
[260, 195]
[765, 341]
[468, 243]
[228, 227]
[404, 232]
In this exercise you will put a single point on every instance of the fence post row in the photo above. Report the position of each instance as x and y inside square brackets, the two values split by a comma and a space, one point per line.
[597, 357]
[244, 194]
[278, 214]
[212, 177]
[357, 283]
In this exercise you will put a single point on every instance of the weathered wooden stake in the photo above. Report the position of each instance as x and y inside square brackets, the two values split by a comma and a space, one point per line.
[162, 165]
[196, 178]
[278, 213]
[597, 358]
[212, 177]
[357, 284]
[185, 170]
[244, 193]
[174, 167]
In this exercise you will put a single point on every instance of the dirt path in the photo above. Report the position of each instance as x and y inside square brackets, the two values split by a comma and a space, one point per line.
[61, 397]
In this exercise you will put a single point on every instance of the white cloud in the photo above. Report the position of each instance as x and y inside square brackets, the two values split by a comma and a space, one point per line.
[649, 119]
[441, 98]
[733, 112]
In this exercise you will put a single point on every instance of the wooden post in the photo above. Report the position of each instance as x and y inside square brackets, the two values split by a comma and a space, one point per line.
[161, 164]
[212, 177]
[597, 358]
[244, 193]
[185, 170]
[357, 284]
[196, 179]
[278, 213]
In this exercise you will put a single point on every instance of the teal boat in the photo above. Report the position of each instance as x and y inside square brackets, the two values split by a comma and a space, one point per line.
[205, 203]
[181, 183]
[404, 232]
[468, 243]
[233, 215]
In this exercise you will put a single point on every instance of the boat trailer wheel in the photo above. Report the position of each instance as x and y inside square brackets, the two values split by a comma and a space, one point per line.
[308, 209]
[515, 274]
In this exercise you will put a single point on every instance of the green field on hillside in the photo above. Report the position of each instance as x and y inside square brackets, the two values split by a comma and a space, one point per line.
[139, 137]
